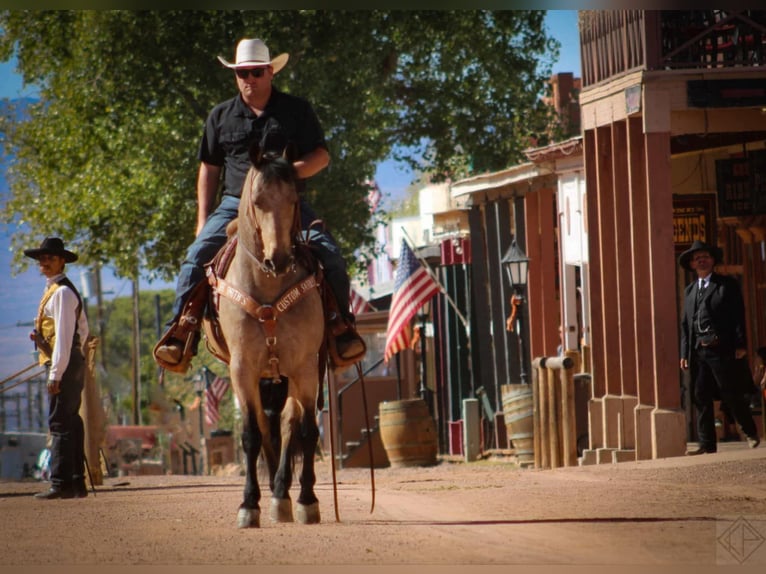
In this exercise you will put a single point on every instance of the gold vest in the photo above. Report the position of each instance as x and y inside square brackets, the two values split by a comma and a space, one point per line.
[45, 327]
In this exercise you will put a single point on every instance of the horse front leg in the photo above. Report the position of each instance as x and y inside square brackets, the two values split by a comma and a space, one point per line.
[307, 509]
[249, 514]
[273, 395]
[281, 506]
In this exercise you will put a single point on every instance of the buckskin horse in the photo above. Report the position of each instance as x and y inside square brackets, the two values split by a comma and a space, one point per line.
[270, 327]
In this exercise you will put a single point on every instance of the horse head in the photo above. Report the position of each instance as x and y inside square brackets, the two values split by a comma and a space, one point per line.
[269, 208]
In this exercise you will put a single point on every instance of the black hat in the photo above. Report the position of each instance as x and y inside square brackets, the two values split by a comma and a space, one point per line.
[51, 246]
[698, 245]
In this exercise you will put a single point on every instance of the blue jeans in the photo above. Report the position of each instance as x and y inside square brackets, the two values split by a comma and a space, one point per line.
[213, 237]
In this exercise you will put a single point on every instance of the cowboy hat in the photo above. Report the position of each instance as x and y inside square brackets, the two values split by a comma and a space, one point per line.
[51, 246]
[698, 245]
[255, 53]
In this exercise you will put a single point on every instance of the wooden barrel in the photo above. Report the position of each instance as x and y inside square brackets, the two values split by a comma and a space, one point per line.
[517, 412]
[408, 433]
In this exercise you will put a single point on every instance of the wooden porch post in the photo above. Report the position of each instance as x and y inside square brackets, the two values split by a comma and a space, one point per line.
[642, 328]
[668, 420]
[610, 340]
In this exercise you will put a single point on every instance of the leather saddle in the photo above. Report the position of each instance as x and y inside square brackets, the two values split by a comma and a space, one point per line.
[201, 311]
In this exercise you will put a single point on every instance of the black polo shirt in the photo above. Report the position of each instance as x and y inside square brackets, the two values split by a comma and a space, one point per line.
[232, 125]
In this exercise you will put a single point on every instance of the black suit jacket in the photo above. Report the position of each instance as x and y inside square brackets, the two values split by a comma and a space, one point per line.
[725, 308]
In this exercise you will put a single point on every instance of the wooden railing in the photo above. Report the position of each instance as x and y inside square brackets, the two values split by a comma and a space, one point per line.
[378, 388]
[613, 42]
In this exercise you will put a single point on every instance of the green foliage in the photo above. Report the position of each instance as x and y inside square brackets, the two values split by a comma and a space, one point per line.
[106, 158]
[409, 205]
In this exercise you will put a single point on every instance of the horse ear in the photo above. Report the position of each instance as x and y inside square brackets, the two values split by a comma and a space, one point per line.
[255, 153]
[291, 152]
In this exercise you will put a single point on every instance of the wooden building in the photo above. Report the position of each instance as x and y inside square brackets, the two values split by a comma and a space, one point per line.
[673, 117]
[672, 102]
[672, 112]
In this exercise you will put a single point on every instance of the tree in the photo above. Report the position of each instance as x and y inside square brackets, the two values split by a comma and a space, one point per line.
[106, 158]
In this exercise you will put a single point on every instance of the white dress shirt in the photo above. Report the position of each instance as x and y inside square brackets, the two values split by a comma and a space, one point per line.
[62, 307]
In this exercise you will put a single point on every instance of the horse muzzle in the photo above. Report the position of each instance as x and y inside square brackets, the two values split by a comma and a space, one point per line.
[278, 266]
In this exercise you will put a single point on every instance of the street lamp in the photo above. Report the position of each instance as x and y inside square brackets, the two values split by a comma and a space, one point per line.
[423, 314]
[516, 265]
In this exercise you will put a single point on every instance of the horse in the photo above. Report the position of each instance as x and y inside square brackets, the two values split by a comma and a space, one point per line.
[271, 319]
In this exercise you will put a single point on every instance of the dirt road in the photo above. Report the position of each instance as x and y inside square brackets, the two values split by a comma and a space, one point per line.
[703, 510]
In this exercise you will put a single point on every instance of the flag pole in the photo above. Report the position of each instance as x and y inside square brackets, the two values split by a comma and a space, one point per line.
[439, 283]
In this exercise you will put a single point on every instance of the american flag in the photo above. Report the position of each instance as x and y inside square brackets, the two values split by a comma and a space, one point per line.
[358, 303]
[413, 287]
[213, 395]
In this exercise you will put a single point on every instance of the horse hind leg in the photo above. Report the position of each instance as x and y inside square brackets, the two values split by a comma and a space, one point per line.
[281, 506]
[249, 514]
[307, 508]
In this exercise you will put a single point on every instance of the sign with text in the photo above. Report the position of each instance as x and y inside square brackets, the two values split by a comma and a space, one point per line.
[693, 218]
[741, 184]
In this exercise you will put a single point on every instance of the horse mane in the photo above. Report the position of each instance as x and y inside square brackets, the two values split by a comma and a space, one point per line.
[273, 158]
[275, 167]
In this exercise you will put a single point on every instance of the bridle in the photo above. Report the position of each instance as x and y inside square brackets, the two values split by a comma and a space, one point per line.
[267, 267]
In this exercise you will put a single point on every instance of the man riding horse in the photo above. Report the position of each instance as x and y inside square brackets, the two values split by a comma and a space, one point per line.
[258, 112]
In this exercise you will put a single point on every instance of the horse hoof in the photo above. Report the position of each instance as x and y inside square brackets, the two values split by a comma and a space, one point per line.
[249, 518]
[307, 513]
[281, 510]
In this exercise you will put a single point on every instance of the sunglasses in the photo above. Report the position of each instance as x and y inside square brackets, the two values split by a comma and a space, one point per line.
[245, 72]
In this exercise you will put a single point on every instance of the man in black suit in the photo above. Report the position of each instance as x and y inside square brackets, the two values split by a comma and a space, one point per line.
[712, 338]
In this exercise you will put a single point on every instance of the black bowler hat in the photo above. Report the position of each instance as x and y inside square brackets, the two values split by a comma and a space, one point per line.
[51, 246]
[698, 245]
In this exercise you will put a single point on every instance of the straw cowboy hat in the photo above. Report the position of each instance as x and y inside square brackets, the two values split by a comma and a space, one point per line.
[51, 246]
[698, 245]
[253, 54]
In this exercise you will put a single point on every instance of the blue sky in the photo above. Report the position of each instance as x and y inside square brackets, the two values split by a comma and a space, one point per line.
[19, 295]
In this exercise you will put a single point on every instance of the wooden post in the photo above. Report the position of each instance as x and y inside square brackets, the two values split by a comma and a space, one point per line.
[545, 455]
[536, 412]
[554, 412]
[568, 428]
[554, 400]
[92, 413]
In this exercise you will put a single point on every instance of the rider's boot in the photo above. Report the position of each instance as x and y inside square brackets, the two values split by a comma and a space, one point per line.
[179, 343]
[349, 347]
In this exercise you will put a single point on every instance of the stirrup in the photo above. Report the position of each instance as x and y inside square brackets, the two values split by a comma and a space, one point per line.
[337, 361]
[188, 350]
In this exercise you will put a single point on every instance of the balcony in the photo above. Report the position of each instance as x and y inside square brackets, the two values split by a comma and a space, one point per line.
[613, 42]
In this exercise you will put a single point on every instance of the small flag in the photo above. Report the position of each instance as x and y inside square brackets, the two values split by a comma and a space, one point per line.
[358, 303]
[213, 395]
[413, 287]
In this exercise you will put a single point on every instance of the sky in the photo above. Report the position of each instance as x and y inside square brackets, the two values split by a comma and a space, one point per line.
[20, 294]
